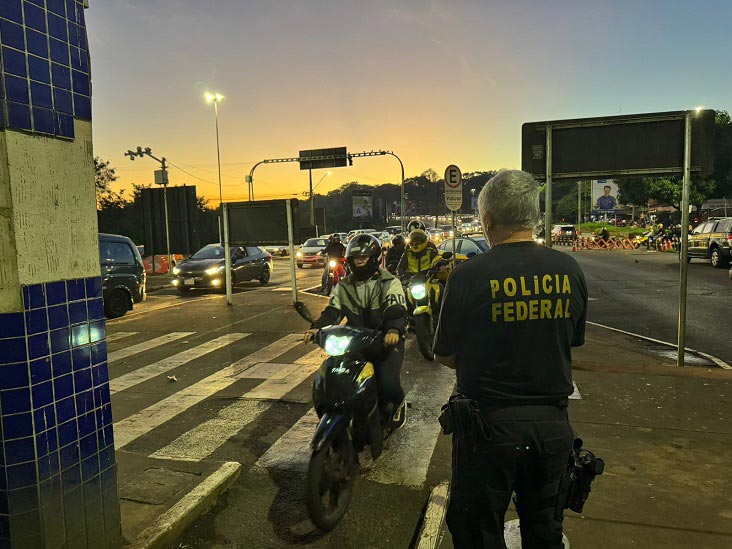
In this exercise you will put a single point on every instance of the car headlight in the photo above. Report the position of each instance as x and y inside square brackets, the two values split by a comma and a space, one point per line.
[331, 264]
[215, 270]
[176, 270]
[298, 254]
[337, 345]
[418, 291]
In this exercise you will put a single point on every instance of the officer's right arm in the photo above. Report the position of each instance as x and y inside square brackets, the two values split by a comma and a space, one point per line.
[333, 313]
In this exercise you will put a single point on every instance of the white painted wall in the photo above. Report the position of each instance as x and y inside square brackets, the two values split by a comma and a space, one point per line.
[48, 218]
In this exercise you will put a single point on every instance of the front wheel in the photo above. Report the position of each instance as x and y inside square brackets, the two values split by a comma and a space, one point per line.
[116, 304]
[330, 482]
[422, 326]
[264, 277]
[716, 258]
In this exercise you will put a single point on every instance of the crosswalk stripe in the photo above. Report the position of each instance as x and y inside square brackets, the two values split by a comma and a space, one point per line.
[139, 375]
[119, 335]
[276, 388]
[134, 426]
[206, 438]
[145, 346]
[291, 452]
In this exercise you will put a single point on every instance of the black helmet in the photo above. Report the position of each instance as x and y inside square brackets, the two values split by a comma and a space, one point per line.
[364, 245]
[398, 241]
[416, 224]
[336, 237]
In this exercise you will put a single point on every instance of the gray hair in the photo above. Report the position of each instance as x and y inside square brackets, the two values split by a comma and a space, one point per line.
[512, 198]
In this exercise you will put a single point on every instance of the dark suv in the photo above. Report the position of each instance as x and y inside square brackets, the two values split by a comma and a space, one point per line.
[712, 240]
[123, 274]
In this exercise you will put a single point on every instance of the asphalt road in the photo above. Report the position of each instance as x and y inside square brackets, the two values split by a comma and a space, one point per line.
[639, 292]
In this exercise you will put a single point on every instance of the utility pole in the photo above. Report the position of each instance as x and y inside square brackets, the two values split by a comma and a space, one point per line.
[579, 208]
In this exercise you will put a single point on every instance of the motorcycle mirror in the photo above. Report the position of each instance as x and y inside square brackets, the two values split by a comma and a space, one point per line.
[303, 311]
[446, 255]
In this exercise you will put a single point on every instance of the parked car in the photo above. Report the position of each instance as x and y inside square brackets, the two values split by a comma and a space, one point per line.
[310, 253]
[436, 235]
[123, 274]
[205, 268]
[563, 232]
[280, 250]
[465, 247]
[712, 240]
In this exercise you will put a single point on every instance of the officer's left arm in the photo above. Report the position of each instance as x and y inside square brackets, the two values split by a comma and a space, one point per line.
[447, 337]
[394, 308]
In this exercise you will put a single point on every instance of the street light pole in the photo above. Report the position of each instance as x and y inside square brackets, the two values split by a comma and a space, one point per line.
[215, 98]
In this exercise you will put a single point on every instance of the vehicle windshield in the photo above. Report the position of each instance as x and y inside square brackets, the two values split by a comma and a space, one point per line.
[315, 243]
[212, 251]
[481, 243]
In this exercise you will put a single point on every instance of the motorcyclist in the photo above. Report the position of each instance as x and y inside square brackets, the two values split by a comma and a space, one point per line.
[371, 297]
[394, 255]
[419, 255]
[334, 250]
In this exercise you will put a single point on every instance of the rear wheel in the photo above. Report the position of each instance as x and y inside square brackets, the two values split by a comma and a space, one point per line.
[422, 326]
[299, 265]
[264, 278]
[716, 258]
[116, 304]
[330, 482]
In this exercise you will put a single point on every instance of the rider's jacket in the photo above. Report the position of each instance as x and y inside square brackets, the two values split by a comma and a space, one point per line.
[393, 256]
[364, 304]
[417, 262]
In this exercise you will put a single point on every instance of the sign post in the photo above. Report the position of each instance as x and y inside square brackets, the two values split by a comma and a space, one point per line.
[453, 197]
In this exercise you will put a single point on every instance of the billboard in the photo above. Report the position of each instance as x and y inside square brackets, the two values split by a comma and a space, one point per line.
[261, 222]
[363, 206]
[604, 196]
[182, 218]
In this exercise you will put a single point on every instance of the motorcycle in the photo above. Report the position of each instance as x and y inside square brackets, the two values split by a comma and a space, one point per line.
[336, 272]
[345, 398]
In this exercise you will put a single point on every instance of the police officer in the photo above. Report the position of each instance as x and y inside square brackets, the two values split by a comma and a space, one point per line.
[508, 321]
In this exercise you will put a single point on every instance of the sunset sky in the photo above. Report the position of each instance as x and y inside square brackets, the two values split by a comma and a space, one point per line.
[437, 82]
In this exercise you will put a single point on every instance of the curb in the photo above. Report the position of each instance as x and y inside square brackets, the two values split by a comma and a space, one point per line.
[171, 524]
[432, 531]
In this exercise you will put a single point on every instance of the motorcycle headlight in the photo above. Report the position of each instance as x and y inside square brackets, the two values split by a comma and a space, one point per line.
[418, 291]
[176, 270]
[215, 270]
[337, 345]
[331, 264]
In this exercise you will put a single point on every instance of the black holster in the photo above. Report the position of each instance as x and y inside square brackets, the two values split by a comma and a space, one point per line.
[463, 417]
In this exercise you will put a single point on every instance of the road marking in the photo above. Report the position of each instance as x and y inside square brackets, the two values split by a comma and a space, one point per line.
[576, 395]
[718, 361]
[512, 535]
[206, 438]
[434, 516]
[291, 452]
[409, 450]
[119, 335]
[136, 425]
[277, 388]
[136, 377]
[146, 346]
[269, 370]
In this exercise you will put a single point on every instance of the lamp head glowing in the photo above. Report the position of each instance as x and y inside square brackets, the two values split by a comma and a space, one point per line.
[699, 109]
[212, 97]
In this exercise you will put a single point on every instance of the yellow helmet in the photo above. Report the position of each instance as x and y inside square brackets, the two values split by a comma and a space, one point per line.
[417, 240]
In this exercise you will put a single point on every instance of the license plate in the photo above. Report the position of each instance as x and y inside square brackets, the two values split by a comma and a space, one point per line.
[189, 282]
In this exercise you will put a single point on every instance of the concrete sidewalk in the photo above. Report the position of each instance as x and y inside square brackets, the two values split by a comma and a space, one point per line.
[666, 437]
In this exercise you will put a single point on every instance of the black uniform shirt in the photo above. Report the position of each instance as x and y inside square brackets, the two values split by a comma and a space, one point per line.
[510, 316]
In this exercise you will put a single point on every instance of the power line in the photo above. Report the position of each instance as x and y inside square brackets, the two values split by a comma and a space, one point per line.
[201, 178]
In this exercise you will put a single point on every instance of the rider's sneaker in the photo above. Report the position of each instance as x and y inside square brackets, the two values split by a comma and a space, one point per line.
[400, 416]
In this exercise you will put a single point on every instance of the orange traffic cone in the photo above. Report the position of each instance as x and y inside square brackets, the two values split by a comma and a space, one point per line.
[574, 245]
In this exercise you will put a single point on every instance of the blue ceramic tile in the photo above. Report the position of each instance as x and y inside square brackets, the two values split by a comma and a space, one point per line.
[43, 120]
[38, 346]
[37, 43]
[93, 287]
[81, 82]
[45, 418]
[36, 321]
[12, 325]
[100, 374]
[87, 424]
[58, 317]
[82, 380]
[17, 426]
[34, 296]
[108, 477]
[76, 289]
[105, 437]
[12, 9]
[20, 476]
[39, 69]
[14, 376]
[12, 350]
[51, 490]
[71, 479]
[80, 335]
[88, 446]
[35, 17]
[64, 125]
[41, 3]
[77, 36]
[49, 466]
[62, 101]
[20, 450]
[106, 398]
[82, 106]
[12, 34]
[19, 116]
[16, 89]
[81, 358]
[5, 529]
[90, 468]
[41, 95]
[69, 456]
[15, 401]
[40, 371]
[65, 409]
[79, 59]
[97, 331]
[85, 402]
[68, 434]
[77, 312]
[42, 394]
[46, 442]
[56, 291]
[61, 363]
[14, 63]
[59, 51]
[60, 340]
[57, 6]
[63, 386]
[96, 309]
[57, 28]
[99, 353]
